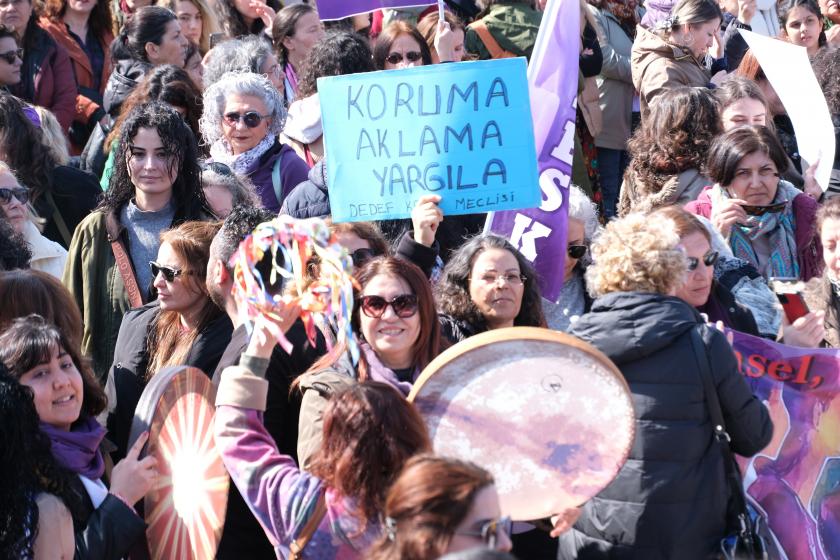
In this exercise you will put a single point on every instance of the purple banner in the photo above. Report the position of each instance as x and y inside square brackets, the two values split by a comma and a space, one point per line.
[540, 233]
[338, 9]
[795, 481]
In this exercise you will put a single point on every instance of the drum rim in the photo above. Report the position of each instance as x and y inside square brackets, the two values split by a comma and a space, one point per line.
[512, 334]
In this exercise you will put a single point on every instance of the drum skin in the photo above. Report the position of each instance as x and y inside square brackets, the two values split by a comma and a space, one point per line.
[547, 414]
[185, 510]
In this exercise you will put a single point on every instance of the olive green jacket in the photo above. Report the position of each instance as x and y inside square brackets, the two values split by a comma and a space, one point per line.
[514, 25]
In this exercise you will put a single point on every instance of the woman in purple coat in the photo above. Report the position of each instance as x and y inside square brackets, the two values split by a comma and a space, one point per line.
[243, 114]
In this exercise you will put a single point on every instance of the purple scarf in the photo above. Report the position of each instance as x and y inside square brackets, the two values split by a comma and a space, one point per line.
[78, 449]
[380, 372]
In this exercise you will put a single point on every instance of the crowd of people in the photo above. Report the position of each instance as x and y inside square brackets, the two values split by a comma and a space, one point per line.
[141, 144]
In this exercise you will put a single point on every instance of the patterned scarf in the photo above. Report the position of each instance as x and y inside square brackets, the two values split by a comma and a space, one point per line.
[779, 228]
[243, 163]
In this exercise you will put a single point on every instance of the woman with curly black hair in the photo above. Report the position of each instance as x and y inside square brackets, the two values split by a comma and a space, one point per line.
[827, 68]
[34, 522]
[156, 184]
[487, 284]
[60, 194]
[669, 149]
[67, 399]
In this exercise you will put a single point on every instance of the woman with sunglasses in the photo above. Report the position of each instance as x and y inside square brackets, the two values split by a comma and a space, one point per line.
[439, 506]
[181, 327]
[487, 284]
[669, 500]
[243, 114]
[11, 58]
[395, 323]
[334, 510]
[581, 228]
[400, 45]
[47, 73]
[155, 186]
[766, 221]
[47, 255]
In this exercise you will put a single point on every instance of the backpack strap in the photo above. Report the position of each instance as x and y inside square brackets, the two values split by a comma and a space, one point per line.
[135, 299]
[489, 41]
[311, 526]
[59, 220]
[275, 179]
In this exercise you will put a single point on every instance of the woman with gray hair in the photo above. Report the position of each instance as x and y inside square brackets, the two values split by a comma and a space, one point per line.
[243, 114]
[225, 189]
[248, 54]
[582, 227]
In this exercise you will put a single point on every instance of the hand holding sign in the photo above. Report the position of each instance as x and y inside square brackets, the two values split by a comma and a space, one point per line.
[425, 219]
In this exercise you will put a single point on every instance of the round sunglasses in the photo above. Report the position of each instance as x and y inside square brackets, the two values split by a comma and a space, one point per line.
[709, 259]
[410, 56]
[404, 305]
[252, 119]
[576, 251]
[20, 193]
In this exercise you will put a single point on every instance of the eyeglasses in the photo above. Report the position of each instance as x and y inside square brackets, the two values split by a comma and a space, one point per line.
[410, 56]
[404, 305]
[170, 273]
[361, 256]
[488, 532]
[576, 251]
[20, 193]
[510, 278]
[753, 210]
[252, 119]
[11, 56]
[275, 71]
[709, 259]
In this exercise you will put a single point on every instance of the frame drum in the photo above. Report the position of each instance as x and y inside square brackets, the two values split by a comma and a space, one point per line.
[547, 414]
[185, 510]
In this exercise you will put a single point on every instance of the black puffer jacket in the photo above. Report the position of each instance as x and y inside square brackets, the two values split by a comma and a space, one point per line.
[669, 499]
[124, 78]
[309, 199]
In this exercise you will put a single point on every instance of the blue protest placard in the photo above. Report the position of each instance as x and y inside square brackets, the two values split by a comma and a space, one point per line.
[462, 131]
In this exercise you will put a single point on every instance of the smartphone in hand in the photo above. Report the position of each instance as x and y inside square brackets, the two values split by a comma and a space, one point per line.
[790, 294]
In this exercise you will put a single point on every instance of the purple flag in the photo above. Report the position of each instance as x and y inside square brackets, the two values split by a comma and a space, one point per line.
[540, 233]
[338, 9]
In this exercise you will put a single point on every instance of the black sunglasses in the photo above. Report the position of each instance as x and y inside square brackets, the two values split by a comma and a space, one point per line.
[252, 119]
[404, 305]
[20, 193]
[411, 56]
[169, 273]
[361, 256]
[709, 259]
[753, 210]
[488, 531]
[10, 56]
[576, 251]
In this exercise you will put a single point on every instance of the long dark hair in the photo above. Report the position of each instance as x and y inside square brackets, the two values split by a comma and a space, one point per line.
[30, 341]
[27, 468]
[370, 431]
[453, 290]
[146, 25]
[99, 19]
[233, 23]
[284, 26]
[24, 148]
[168, 84]
[810, 5]
[178, 141]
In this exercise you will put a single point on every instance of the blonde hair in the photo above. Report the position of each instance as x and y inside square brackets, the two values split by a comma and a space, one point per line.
[637, 253]
[209, 22]
[54, 139]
